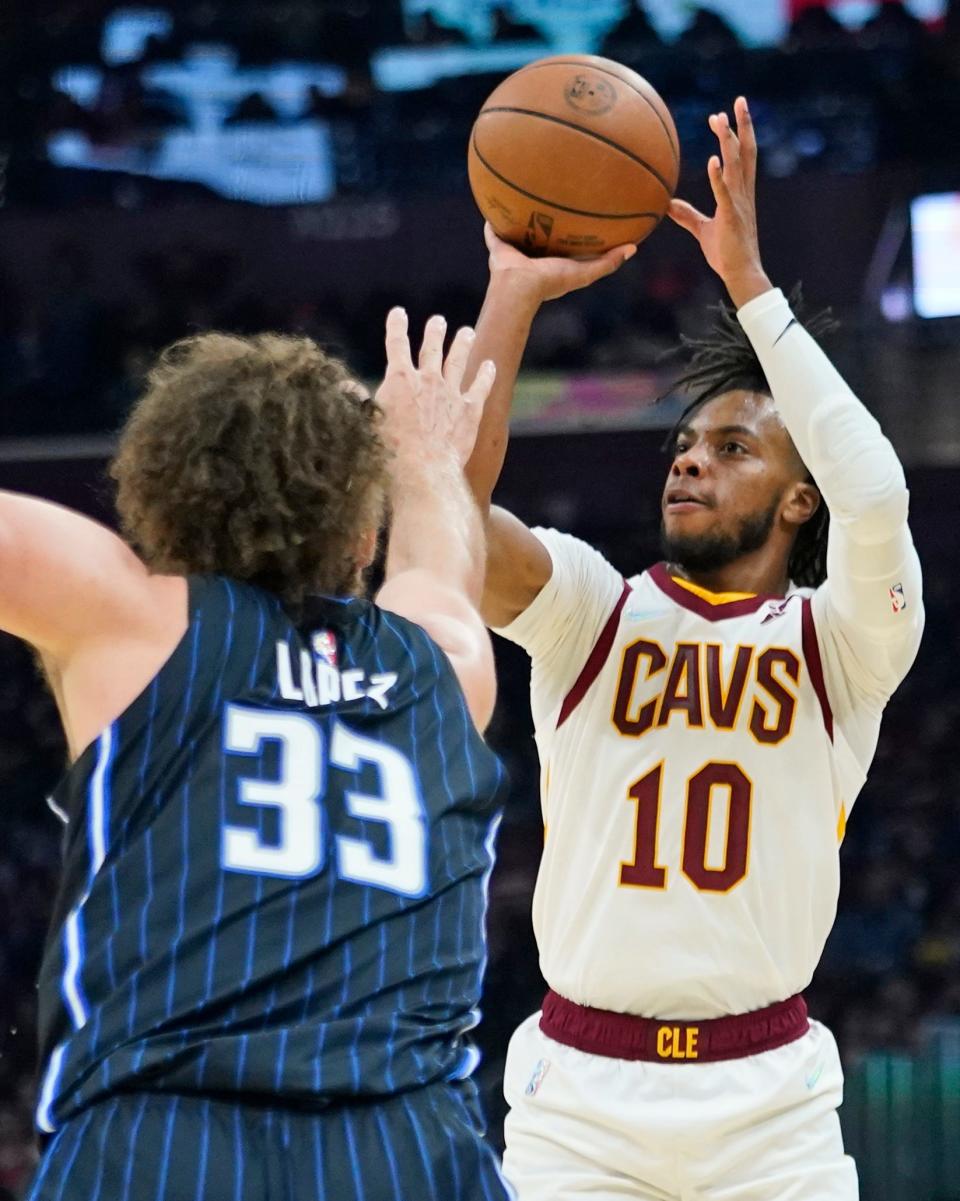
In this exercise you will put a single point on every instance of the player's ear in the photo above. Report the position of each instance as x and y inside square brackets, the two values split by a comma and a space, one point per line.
[801, 503]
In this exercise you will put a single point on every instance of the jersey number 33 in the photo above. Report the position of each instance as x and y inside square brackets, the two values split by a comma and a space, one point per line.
[306, 755]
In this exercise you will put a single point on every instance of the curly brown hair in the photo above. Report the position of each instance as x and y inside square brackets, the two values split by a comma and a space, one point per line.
[258, 458]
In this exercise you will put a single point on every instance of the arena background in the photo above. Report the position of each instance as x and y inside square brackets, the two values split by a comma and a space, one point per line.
[300, 165]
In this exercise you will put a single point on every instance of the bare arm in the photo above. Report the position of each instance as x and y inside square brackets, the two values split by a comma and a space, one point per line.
[503, 329]
[517, 564]
[435, 557]
[64, 580]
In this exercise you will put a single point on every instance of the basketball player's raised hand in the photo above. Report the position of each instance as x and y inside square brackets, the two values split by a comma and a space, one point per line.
[729, 238]
[429, 419]
[550, 278]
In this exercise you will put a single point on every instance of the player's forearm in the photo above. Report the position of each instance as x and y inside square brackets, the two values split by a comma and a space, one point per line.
[854, 464]
[501, 335]
[437, 527]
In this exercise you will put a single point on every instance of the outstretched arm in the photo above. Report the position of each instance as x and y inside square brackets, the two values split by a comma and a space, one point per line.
[435, 556]
[518, 566]
[65, 580]
[869, 612]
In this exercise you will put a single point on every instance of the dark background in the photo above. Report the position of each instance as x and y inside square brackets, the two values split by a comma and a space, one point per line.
[101, 266]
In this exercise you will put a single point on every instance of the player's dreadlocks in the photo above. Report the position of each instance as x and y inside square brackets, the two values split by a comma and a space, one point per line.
[723, 360]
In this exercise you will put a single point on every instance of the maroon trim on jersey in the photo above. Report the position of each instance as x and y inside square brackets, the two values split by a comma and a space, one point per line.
[811, 652]
[598, 656]
[623, 1036]
[704, 608]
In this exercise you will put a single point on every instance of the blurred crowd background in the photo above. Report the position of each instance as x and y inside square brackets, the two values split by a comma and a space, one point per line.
[300, 165]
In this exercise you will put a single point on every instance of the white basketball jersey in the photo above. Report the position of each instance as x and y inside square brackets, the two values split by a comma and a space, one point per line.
[695, 788]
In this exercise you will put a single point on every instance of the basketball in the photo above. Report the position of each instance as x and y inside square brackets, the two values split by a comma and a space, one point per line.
[572, 155]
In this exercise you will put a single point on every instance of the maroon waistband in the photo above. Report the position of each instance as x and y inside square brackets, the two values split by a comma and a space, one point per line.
[623, 1036]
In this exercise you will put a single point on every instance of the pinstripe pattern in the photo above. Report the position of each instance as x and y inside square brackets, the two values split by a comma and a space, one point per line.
[318, 1164]
[204, 1152]
[165, 1153]
[317, 985]
[128, 1174]
[82, 1127]
[426, 1145]
[115, 926]
[356, 1172]
[105, 1124]
[431, 1195]
[389, 1155]
[53, 1151]
[238, 1156]
[196, 634]
[52, 1176]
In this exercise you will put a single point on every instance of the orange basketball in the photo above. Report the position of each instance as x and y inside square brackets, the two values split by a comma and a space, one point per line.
[572, 155]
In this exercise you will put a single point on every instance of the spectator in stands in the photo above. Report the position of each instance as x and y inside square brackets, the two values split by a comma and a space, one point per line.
[893, 27]
[428, 31]
[507, 29]
[634, 32]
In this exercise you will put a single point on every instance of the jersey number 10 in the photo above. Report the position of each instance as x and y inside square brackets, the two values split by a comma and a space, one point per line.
[646, 872]
[298, 796]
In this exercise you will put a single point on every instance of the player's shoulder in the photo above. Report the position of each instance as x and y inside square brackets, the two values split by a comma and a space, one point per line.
[568, 549]
[580, 572]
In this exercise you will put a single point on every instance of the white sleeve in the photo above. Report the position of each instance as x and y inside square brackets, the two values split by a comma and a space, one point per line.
[869, 612]
[560, 628]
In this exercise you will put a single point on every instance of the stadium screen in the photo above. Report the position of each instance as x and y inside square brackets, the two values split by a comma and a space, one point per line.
[185, 119]
[935, 227]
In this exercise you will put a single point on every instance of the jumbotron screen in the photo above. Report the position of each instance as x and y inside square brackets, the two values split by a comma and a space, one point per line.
[572, 25]
[935, 224]
[199, 133]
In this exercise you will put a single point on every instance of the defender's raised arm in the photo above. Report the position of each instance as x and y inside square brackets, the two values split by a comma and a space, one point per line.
[435, 555]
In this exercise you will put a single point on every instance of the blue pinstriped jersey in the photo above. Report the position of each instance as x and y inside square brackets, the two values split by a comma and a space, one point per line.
[275, 873]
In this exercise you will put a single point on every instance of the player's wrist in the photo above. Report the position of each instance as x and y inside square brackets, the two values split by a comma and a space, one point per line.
[430, 471]
[746, 283]
[522, 288]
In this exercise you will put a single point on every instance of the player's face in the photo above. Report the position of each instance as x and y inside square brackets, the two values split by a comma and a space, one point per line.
[733, 475]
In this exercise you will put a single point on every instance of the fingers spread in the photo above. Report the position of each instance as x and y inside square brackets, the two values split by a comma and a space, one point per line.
[398, 341]
[431, 351]
[456, 363]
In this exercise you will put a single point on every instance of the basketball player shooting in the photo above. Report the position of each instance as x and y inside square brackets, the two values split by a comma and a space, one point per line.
[704, 729]
[279, 816]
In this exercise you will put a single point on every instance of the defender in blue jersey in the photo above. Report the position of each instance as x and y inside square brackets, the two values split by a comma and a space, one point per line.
[267, 950]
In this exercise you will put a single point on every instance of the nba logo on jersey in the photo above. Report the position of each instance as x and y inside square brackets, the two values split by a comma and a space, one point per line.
[897, 599]
[325, 647]
[533, 1086]
[775, 609]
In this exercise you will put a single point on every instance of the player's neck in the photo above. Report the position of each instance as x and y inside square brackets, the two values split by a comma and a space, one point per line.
[754, 573]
